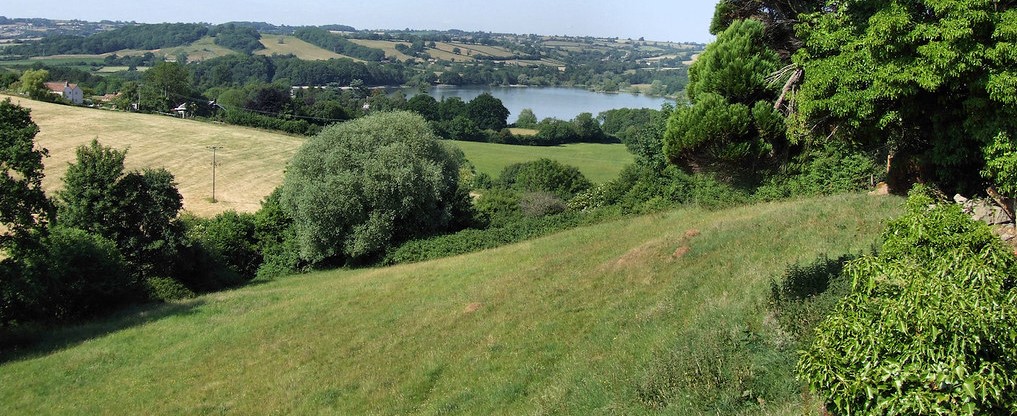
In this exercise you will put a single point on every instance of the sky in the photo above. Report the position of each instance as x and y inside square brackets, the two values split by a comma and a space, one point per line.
[662, 20]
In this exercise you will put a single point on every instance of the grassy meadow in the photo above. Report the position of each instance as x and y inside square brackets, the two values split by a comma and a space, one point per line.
[581, 322]
[251, 162]
[599, 162]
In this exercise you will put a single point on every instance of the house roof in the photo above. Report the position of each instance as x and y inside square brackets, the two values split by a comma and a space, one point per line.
[59, 86]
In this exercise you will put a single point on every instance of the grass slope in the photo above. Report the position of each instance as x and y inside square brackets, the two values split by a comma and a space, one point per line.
[296, 47]
[599, 162]
[572, 323]
[251, 162]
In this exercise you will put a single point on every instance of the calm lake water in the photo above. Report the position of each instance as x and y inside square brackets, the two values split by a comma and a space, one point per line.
[561, 103]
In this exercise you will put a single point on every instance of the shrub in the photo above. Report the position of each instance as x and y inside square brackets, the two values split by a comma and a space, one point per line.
[499, 206]
[230, 239]
[72, 274]
[471, 240]
[641, 188]
[830, 169]
[276, 237]
[545, 175]
[929, 326]
[589, 199]
[539, 204]
[167, 289]
[361, 186]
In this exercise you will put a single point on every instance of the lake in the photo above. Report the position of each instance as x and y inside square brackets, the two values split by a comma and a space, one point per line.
[557, 102]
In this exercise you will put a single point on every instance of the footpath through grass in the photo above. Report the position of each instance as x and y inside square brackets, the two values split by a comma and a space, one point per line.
[580, 322]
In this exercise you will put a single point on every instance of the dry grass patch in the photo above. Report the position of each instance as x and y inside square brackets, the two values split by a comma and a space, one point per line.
[251, 162]
[387, 46]
[297, 47]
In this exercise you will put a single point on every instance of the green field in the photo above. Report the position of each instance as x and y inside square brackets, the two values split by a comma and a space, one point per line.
[78, 61]
[581, 322]
[599, 162]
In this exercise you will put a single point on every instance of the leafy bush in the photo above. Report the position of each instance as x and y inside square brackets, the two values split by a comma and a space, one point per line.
[929, 326]
[276, 237]
[539, 204]
[167, 289]
[589, 199]
[361, 186]
[829, 169]
[545, 175]
[230, 238]
[249, 119]
[499, 206]
[71, 274]
[641, 188]
[471, 240]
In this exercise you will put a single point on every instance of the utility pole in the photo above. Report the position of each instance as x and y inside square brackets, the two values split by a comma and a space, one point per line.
[214, 164]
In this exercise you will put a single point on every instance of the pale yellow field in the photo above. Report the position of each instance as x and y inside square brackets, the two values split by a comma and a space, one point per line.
[387, 46]
[251, 162]
[297, 47]
[202, 49]
[443, 50]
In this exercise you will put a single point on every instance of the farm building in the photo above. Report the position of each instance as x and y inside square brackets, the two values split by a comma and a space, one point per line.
[68, 91]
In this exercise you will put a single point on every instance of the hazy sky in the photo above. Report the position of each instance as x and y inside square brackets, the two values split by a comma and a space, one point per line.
[674, 20]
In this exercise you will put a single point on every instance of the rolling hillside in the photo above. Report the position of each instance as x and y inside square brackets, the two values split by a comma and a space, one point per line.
[251, 161]
[296, 47]
[583, 322]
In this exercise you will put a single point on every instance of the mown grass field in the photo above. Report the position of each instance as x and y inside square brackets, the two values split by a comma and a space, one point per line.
[251, 162]
[297, 47]
[581, 322]
[598, 162]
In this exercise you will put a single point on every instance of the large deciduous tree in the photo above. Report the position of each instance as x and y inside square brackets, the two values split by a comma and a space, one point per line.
[23, 204]
[136, 210]
[487, 112]
[166, 85]
[360, 186]
[934, 82]
[33, 84]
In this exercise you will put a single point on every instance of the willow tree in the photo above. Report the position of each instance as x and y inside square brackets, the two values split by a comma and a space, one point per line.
[361, 186]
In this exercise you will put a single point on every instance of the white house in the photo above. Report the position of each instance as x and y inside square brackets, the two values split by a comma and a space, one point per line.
[68, 91]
